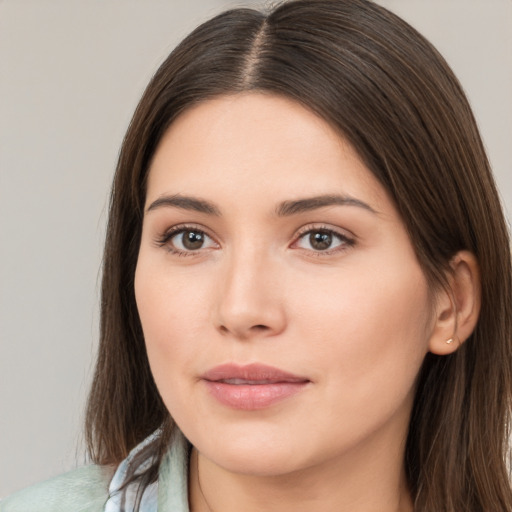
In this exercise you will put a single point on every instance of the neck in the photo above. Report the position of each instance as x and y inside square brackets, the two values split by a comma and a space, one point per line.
[374, 481]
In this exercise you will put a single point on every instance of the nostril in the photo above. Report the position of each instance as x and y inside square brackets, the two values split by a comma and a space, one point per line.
[254, 329]
[259, 327]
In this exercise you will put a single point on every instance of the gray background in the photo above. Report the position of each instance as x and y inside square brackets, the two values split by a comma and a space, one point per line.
[71, 72]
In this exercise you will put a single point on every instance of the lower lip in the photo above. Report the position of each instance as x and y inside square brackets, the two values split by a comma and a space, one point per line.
[253, 396]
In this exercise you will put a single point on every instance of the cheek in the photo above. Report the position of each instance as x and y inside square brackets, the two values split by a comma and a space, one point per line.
[371, 330]
[171, 312]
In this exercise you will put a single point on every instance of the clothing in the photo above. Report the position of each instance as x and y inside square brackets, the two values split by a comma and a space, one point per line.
[93, 488]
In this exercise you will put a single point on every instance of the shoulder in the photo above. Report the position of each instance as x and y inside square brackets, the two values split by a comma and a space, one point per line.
[82, 490]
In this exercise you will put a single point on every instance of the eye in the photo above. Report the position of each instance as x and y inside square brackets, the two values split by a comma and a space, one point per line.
[186, 240]
[323, 240]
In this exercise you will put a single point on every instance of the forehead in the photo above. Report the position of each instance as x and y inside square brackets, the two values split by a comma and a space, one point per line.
[254, 145]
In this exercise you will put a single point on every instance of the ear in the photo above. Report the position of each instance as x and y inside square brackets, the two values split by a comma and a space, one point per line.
[458, 306]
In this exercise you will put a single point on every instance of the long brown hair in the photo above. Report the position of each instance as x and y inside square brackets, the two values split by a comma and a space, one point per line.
[390, 93]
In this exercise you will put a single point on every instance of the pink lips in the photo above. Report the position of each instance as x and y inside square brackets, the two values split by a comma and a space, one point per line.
[253, 386]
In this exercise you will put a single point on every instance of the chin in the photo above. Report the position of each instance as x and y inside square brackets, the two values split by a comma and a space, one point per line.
[259, 454]
[257, 462]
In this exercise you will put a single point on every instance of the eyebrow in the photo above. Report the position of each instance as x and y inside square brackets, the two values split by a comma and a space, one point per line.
[313, 203]
[185, 203]
[285, 209]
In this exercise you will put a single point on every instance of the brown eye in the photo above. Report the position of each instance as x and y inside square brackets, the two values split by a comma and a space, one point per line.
[320, 240]
[189, 240]
[192, 240]
[323, 240]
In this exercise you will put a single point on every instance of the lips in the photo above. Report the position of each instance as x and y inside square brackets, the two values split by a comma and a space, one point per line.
[253, 386]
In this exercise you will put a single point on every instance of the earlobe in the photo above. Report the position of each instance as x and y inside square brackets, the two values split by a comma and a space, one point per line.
[457, 306]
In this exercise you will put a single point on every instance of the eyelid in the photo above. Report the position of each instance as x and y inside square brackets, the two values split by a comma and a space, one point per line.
[321, 226]
[346, 236]
[164, 238]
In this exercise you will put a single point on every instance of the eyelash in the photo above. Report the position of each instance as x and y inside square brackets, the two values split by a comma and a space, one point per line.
[163, 241]
[345, 241]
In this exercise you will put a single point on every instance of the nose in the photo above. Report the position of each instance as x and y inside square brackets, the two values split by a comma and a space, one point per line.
[249, 303]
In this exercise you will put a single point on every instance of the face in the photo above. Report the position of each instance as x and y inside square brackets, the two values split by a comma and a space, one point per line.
[284, 311]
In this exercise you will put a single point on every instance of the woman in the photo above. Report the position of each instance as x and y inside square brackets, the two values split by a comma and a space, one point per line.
[306, 286]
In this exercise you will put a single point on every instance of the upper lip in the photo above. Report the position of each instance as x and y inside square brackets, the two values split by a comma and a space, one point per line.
[254, 373]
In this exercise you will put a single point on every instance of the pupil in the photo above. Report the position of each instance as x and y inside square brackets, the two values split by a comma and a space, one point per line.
[193, 240]
[320, 241]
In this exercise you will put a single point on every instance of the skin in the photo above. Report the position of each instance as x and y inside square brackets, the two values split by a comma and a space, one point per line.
[356, 319]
